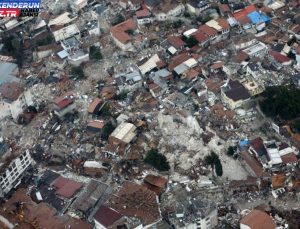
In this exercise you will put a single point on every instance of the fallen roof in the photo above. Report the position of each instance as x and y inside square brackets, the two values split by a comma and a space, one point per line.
[94, 104]
[98, 124]
[8, 72]
[65, 187]
[64, 100]
[134, 200]
[156, 180]
[279, 57]
[41, 214]
[257, 219]
[253, 163]
[289, 158]
[106, 216]
[11, 90]
[278, 181]
[94, 192]
[258, 145]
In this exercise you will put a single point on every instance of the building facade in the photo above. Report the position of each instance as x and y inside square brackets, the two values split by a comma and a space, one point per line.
[12, 174]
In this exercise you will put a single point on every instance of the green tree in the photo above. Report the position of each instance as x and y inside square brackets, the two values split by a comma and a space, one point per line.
[187, 14]
[95, 53]
[177, 24]
[230, 151]
[107, 129]
[105, 110]
[218, 168]
[77, 72]
[191, 41]
[46, 41]
[121, 96]
[157, 160]
[211, 159]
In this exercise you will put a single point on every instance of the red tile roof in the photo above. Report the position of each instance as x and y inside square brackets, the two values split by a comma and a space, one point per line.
[243, 20]
[156, 180]
[99, 124]
[40, 215]
[217, 65]
[289, 158]
[142, 13]
[135, 200]
[224, 8]
[175, 42]
[240, 57]
[107, 216]
[177, 60]
[94, 104]
[250, 9]
[208, 30]
[66, 187]
[279, 57]
[200, 36]
[241, 16]
[119, 31]
[64, 100]
[253, 163]
[258, 145]
[223, 23]
[257, 219]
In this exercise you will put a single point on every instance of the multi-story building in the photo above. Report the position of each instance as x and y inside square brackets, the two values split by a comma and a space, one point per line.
[12, 171]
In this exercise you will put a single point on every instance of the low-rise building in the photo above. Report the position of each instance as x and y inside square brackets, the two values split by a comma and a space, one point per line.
[64, 104]
[123, 134]
[67, 32]
[235, 95]
[257, 50]
[257, 219]
[105, 217]
[196, 7]
[121, 34]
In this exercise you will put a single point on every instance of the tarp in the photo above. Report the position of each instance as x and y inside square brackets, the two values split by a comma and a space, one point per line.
[257, 17]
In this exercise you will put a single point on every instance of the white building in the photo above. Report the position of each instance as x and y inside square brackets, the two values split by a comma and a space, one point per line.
[78, 4]
[257, 50]
[67, 32]
[78, 57]
[12, 171]
[123, 134]
[173, 12]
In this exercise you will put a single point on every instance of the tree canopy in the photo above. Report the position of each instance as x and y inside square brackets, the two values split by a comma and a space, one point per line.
[219, 168]
[108, 128]
[213, 160]
[95, 53]
[191, 41]
[157, 160]
[77, 72]
[282, 102]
